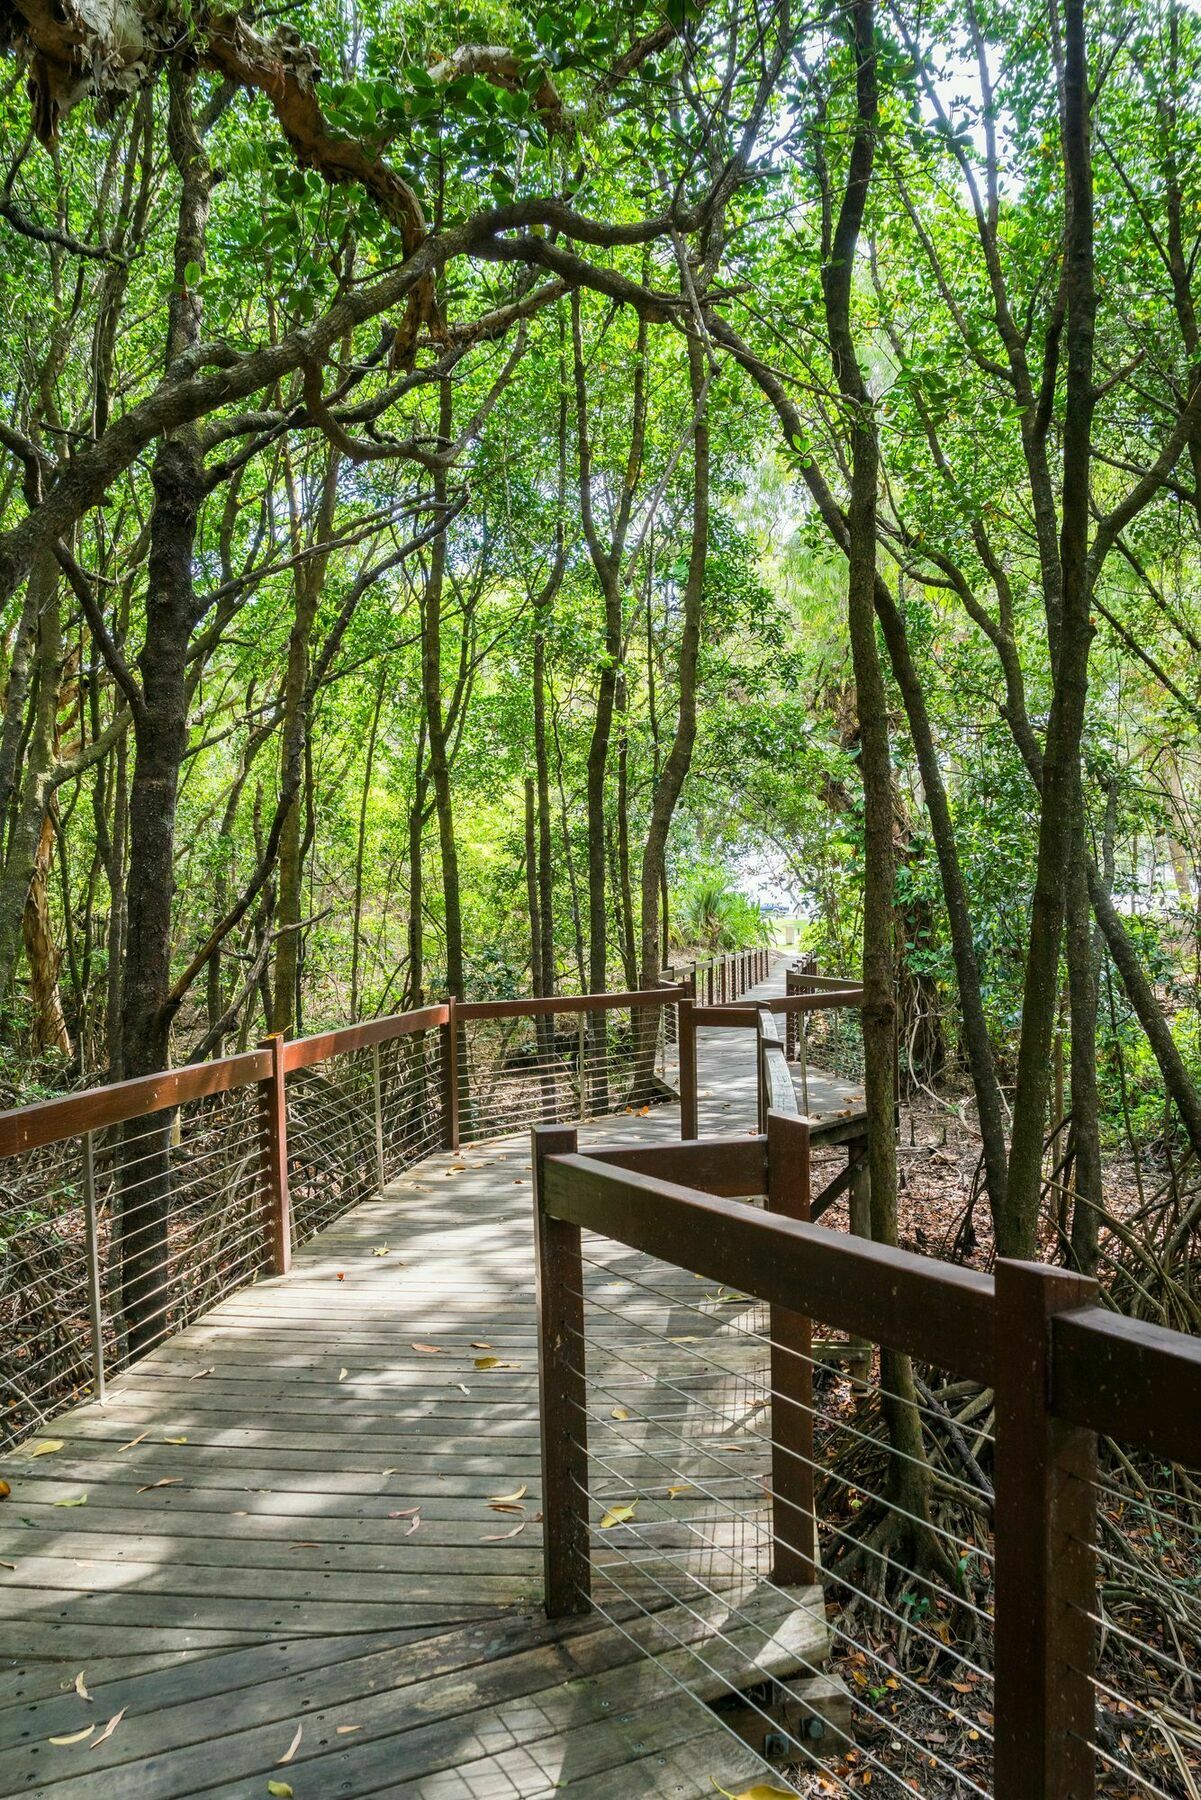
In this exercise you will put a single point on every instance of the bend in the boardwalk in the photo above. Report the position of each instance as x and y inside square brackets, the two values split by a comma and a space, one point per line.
[281, 1519]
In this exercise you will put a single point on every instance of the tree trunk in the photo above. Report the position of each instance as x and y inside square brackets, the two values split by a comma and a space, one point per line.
[27, 821]
[909, 1484]
[308, 582]
[160, 738]
[48, 1027]
[674, 773]
[1072, 635]
[431, 678]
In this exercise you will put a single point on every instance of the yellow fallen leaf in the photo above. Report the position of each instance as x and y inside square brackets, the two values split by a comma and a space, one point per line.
[80, 1689]
[427, 1349]
[198, 1373]
[76, 1500]
[293, 1747]
[617, 1515]
[7, 1565]
[133, 1441]
[74, 1737]
[345, 1730]
[685, 1487]
[175, 1440]
[762, 1790]
[486, 1362]
[342, 1374]
[46, 1446]
[480, 1344]
[279, 1790]
[620, 1412]
[110, 1728]
[509, 1499]
[167, 1481]
[381, 1250]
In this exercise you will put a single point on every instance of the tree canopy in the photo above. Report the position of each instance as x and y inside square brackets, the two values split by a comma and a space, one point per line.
[479, 487]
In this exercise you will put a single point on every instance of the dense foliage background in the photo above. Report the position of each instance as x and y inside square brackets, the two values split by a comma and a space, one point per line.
[455, 422]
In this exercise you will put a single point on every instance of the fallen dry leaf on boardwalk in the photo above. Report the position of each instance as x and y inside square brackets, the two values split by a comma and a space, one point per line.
[110, 1728]
[293, 1747]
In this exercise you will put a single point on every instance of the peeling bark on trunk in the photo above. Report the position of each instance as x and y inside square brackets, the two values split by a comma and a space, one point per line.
[42, 955]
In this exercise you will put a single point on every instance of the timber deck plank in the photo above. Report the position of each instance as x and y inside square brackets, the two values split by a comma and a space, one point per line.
[276, 1578]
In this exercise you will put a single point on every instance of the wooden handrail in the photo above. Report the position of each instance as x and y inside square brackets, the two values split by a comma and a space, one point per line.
[24, 1128]
[302, 1053]
[1129, 1379]
[569, 1003]
[936, 1311]
[50, 1121]
[1063, 1369]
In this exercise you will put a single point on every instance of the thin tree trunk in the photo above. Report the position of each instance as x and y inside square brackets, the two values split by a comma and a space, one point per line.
[308, 582]
[160, 736]
[431, 677]
[356, 948]
[1072, 631]
[25, 830]
[909, 1476]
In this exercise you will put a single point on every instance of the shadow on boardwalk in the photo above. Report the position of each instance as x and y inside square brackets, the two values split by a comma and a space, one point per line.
[281, 1520]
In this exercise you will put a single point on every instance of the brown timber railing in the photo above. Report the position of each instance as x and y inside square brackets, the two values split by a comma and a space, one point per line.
[695, 1450]
[126, 1211]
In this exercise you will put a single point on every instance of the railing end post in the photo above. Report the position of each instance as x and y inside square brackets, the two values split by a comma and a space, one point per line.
[1045, 1555]
[686, 1045]
[450, 1078]
[794, 1514]
[274, 1112]
[562, 1392]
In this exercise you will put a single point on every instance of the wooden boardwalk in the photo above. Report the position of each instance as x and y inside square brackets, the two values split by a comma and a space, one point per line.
[279, 1524]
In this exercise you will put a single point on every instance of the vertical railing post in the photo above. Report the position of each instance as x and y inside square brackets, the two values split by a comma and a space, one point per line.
[794, 1524]
[450, 1078]
[95, 1309]
[273, 1103]
[562, 1391]
[377, 1101]
[859, 1210]
[582, 1059]
[686, 1019]
[1044, 1548]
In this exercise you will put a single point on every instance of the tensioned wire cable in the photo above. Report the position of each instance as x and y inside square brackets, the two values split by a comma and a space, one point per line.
[1111, 1628]
[774, 1393]
[763, 1531]
[832, 1474]
[890, 1725]
[732, 1325]
[1141, 1781]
